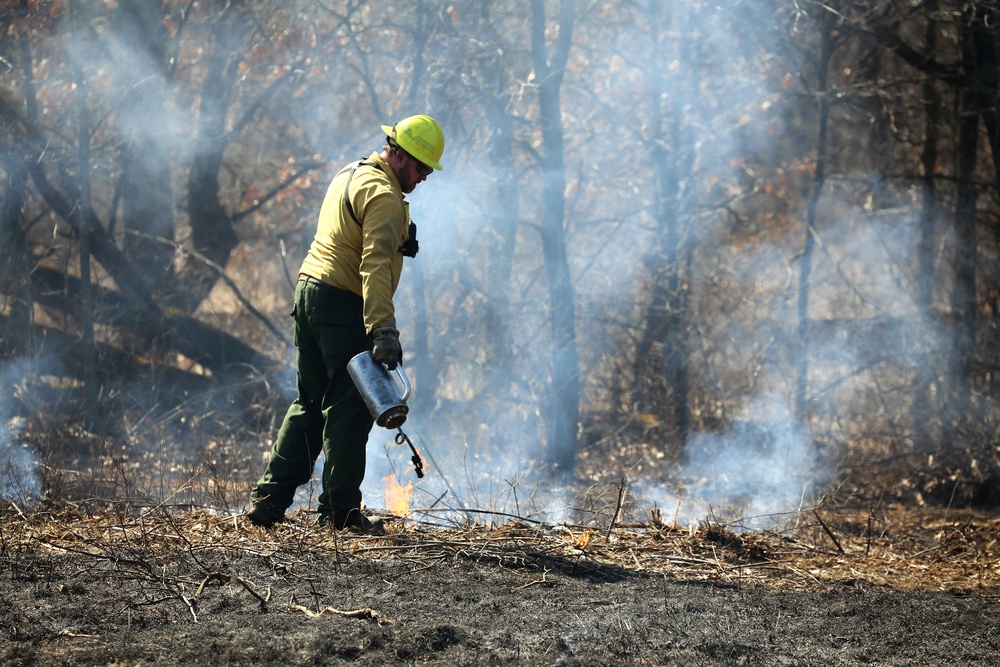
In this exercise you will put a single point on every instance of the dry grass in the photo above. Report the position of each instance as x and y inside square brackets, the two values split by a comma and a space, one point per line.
[899, 548]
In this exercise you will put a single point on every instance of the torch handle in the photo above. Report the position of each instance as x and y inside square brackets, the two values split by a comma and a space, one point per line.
[405, 380]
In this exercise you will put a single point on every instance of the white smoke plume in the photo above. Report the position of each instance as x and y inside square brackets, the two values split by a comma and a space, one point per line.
[752, 475]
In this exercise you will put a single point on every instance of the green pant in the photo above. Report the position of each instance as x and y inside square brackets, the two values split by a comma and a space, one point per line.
[329, 414]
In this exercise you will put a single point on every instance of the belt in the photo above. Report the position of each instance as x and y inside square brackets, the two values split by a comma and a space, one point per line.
[315, 281]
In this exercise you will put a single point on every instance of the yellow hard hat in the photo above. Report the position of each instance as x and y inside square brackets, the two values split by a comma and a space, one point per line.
[421, 137]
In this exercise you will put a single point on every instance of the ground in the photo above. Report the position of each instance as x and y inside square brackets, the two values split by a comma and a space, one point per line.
[151, 588]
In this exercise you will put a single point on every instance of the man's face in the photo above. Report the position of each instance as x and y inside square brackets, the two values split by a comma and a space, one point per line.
[413, 173]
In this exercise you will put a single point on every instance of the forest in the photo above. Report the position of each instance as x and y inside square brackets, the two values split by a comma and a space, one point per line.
[733, 257]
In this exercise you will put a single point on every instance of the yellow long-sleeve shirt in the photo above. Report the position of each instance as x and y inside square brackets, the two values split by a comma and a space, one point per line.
[365, 259]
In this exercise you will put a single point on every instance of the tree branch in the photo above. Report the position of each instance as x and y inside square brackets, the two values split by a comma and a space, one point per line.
[221, 273]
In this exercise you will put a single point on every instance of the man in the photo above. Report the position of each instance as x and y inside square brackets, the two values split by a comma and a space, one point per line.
[343, 306]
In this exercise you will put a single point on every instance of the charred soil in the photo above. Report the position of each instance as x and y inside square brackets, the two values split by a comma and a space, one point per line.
[152, 588]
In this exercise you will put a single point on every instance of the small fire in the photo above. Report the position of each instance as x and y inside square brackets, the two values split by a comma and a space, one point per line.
[397, 498]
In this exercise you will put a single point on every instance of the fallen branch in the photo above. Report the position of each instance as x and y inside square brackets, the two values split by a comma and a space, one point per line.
[367, 613]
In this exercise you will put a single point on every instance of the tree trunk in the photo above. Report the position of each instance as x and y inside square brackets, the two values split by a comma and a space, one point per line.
[805, 263]
[564, 394]
[427, 371]
[672, 156]
[209, 229]
[83, 212]
[986, 78]
[922, 416]
[502, 228]
[14, 266]
[963, 296]
[145, 188]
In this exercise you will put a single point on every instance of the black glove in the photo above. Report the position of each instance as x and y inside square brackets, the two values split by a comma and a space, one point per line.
[386, 348]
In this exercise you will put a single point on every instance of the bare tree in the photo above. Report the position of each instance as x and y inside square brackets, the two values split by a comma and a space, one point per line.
[825, 23]
[550, 69]
[139, 51]
[663, 340]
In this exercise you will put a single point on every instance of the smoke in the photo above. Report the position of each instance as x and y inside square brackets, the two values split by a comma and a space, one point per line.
[478, 427]
[19, 466]
[20, 480]
[752, 475]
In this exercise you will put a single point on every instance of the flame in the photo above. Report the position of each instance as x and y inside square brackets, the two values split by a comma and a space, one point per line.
[397, 498]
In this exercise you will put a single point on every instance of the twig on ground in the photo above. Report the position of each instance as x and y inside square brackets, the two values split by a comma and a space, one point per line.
[539, 582]
[618, 508]
[263, 600]
[68, 633]
[217, 576]
[367, 613]
[190, 605]
[828, 531]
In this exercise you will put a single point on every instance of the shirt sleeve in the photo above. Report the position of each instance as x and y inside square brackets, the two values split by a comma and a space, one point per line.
[382, 229]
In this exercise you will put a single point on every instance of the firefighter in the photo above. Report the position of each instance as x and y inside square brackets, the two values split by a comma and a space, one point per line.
[343, 306]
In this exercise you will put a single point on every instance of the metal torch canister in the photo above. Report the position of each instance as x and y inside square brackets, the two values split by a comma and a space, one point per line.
[379, 390]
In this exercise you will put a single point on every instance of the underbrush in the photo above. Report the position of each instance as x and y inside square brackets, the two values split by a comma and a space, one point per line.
[890, 546]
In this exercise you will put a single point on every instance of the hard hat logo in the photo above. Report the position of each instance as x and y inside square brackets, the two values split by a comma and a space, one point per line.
[421, 137]
[426, 145]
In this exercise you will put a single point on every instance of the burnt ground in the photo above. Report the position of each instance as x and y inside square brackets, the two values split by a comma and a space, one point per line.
[913, 588]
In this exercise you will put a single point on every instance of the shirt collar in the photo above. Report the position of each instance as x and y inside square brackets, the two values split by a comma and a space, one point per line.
[377, 158]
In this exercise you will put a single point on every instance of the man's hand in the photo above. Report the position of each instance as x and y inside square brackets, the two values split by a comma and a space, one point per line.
[387, 349]
[411, 247]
